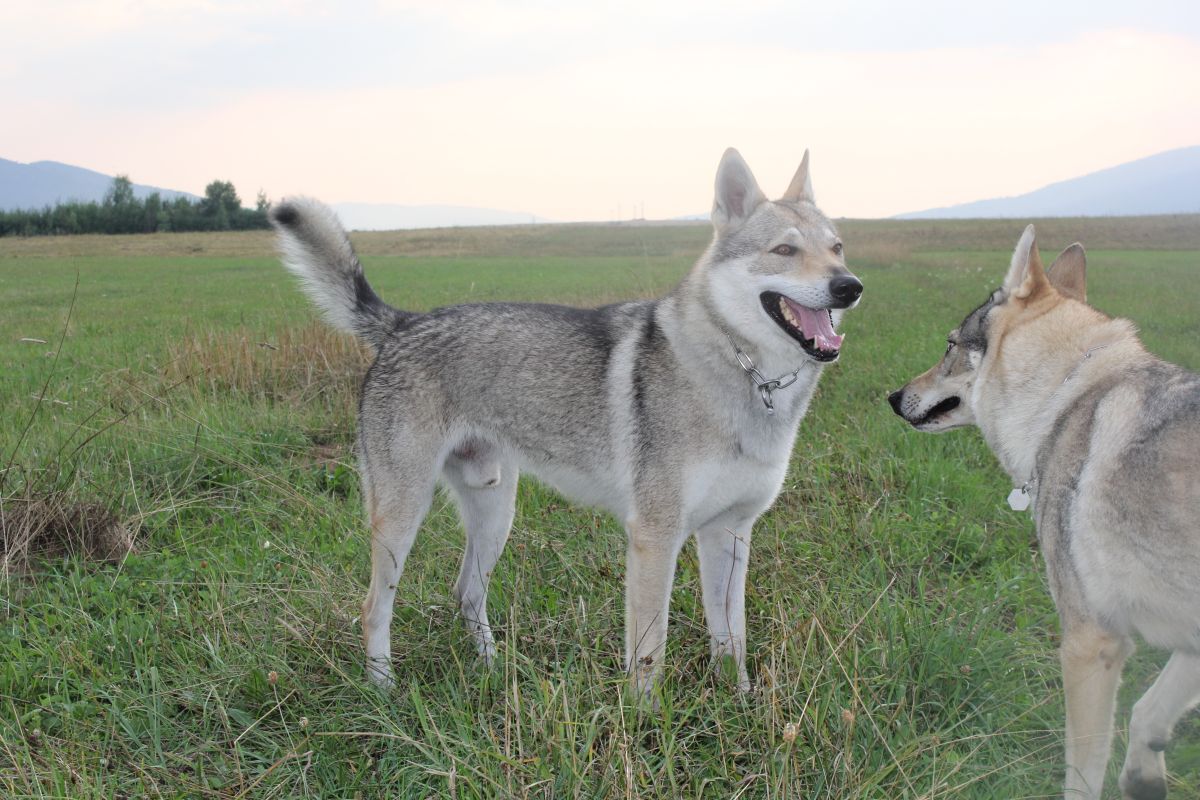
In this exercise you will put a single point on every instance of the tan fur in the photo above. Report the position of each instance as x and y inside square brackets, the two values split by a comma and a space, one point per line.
[1104, 439]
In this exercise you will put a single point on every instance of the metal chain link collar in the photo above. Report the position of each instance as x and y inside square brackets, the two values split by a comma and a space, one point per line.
[766, 386]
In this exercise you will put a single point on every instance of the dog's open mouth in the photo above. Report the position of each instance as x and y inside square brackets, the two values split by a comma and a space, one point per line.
[931, 416]
[811, 327]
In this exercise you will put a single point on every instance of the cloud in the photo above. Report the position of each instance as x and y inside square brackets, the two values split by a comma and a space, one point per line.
[184, 52]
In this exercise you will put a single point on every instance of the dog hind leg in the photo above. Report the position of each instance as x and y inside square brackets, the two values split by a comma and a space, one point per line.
[485, 487]
[1175, 691]
[397, 501]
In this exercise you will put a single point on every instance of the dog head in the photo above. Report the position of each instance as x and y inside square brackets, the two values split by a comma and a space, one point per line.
[776, 268]
[943, 397]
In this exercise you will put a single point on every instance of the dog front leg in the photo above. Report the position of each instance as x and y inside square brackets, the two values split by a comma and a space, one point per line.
[649, 574]
[724, 552]
[1091, 661]
[1144, 776]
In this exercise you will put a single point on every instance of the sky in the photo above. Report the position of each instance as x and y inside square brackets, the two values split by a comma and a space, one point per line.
[590, 110]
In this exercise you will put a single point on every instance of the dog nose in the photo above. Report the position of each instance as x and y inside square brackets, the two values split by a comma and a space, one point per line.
[845, 289]
[894, 399]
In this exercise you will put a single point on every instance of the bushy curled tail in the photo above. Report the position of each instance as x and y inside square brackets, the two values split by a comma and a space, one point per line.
[316, 248]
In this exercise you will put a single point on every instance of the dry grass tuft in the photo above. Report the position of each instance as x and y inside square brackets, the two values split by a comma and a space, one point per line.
[294, 365]
[49, 526]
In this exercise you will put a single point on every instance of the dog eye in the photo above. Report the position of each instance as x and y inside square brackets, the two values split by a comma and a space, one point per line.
[949, 346]
[837, 248]
[784, 250]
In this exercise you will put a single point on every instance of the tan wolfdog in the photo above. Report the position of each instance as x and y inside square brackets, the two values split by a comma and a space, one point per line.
[1102, 440]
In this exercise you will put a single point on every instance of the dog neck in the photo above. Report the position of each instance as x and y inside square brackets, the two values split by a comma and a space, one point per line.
[1032, 390]
[706, 341]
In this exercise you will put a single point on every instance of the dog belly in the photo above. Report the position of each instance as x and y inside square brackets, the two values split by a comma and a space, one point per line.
[1173, 630]
[1170, 623]
[1157, 603]
[594, 488]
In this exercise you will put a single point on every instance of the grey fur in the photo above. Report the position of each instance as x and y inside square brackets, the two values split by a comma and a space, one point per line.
[318, 252]
[1108, 436]
[640, 408]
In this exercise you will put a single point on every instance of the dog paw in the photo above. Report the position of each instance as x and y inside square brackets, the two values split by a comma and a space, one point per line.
[649, 702]
[728, 667]
[380, 675]
[644, 691]
[1137, 785]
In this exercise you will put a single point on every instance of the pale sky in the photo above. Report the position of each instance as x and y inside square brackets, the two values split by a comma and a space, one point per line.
[571, 111]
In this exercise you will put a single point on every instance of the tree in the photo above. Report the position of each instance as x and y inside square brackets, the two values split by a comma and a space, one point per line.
[183, 215]
[220, 204]
[153, 208]
[122, 211]
[120, 193]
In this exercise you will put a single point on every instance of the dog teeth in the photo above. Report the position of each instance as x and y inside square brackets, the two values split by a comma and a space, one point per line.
[788, 315]
[818, 341]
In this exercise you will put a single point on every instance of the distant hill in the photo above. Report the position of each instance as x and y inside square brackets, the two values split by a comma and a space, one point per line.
[1167, 183]
[47, 183]
[387, 217]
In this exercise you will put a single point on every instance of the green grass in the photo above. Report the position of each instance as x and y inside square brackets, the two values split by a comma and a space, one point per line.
[902, 638]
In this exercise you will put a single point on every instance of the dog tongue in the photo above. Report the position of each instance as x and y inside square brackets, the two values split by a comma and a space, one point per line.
[815, 325]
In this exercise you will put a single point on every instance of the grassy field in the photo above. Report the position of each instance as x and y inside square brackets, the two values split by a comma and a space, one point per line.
[175, 390]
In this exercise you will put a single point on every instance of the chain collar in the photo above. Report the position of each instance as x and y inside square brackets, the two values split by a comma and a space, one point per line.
[766, 386]
[1086, 355]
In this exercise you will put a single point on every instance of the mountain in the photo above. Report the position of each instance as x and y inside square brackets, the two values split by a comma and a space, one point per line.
[387, 217]
[1167, 183]
[46, 183]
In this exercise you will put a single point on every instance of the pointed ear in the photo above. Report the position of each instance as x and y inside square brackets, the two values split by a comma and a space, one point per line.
[800, 189]
[1068, 273]
[1025, 274]
[737, 192]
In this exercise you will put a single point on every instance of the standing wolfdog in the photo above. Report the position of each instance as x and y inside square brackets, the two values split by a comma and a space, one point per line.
[1104, 440]
[667, 413]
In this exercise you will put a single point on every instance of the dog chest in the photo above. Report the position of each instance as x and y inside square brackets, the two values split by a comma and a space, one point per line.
[716, 485]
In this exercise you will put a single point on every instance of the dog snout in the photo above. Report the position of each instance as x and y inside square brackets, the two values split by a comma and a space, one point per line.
[894, 400]
[845, 289]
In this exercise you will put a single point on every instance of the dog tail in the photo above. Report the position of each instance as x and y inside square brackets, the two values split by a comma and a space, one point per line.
[315, 247]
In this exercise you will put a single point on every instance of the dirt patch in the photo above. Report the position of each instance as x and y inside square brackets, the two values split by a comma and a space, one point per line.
[329, 456]
[51, 527]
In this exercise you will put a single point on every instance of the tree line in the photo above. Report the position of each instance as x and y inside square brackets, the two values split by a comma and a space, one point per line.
[121, 212]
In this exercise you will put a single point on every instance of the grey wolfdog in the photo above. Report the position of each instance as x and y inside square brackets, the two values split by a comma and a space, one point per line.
[657, 411]
[1104, 440]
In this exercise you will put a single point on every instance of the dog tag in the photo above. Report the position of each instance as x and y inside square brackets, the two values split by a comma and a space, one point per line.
[1018, 499]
